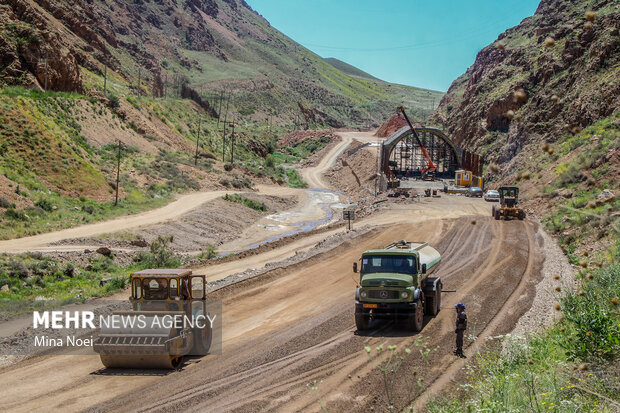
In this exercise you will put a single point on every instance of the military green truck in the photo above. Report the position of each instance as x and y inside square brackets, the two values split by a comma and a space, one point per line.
[395, 282]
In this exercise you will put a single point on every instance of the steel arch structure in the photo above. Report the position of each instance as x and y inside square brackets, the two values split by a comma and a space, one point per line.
[401, 156]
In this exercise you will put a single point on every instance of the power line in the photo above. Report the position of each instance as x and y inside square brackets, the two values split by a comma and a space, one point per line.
[416, 46]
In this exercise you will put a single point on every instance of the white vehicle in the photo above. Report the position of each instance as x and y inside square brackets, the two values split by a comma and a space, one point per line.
[491, 196]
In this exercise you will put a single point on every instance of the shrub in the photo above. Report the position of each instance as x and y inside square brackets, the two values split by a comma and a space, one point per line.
[240, 182]
[89, 209]
[159, 256]
[269, 161]
[209, 253]
[45, 205]
[250, 203]
[592, 318]
[69, 270]
[113, 101]
[294, 180]
[16, 214]
[115, 284]
[5, 203]
[18, 269]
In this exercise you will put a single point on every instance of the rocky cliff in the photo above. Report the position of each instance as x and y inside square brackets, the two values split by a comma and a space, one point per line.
[555, 73]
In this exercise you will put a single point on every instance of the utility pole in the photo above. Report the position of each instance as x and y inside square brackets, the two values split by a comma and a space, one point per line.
[139, 80]
[197, 142]
[224, 133]
[46, 70]
[219, 111]
[377, 167]
[232, 143]
[118, 171]
[105, 78]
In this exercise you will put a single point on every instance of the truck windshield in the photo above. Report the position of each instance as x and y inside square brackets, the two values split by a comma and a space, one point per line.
[388, 263]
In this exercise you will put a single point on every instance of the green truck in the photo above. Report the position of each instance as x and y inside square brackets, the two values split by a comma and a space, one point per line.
[395, 282]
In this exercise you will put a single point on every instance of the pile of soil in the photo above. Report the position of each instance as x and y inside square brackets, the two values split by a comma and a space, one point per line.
[391, 125]
[354, 174]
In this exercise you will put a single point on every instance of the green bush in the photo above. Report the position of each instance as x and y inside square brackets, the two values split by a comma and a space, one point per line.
[209, 253]
[115, 284]
[250, 203]
[113, 101]
[294, 180]
[16, 214]
[159, 256]
[45, 205]
[591, 317]
[5, 203]
[270, 161]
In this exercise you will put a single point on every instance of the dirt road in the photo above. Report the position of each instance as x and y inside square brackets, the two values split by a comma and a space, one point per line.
[184, 204]
[292, 326]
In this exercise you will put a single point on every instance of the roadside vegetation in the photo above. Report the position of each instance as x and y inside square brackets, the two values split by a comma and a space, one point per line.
[55, 178]
[573, 365]
[33, 276]
[250, 203]
[570, 367]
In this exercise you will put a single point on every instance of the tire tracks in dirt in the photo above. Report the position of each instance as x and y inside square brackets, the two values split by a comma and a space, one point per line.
[451, 371]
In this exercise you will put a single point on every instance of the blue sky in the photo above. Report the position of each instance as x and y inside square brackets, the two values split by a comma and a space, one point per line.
[419, 43]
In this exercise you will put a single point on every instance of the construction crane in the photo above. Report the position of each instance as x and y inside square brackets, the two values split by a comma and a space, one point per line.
[428, 171]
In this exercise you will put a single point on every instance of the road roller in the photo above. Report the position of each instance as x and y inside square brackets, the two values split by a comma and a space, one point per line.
[167, 322]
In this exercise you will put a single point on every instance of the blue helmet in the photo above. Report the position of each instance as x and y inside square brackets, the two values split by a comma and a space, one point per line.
[457, 305]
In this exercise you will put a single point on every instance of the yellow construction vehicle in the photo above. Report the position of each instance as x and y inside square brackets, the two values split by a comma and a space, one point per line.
[508, 201]
[168, 320]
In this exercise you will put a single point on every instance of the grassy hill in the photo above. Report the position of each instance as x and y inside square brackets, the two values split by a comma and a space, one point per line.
[541, 104]
[214, 46]
[349, 69]
[147, 73]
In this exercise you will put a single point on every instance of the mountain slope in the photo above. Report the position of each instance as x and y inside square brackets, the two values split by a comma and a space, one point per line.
[542, 103]
[349, 69]
[213, 45]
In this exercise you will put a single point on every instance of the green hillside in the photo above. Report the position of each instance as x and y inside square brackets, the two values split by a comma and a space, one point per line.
[349, 69]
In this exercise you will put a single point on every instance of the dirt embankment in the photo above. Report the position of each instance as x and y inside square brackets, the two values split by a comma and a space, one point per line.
[354, 174]
[212, 223]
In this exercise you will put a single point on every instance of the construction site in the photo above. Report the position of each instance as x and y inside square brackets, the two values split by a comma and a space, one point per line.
[199, 212]
[288, 304]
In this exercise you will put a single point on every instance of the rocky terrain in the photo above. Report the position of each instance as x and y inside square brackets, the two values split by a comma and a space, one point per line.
[555, 73]
[541, 104]
[207, 48]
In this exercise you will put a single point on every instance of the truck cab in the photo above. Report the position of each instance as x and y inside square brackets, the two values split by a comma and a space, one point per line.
[395, 282]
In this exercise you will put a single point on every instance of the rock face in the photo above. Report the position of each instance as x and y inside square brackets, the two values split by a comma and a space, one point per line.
[34, 54]
[570, 82]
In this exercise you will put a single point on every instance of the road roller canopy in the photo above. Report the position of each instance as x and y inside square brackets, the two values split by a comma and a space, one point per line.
[167, 284]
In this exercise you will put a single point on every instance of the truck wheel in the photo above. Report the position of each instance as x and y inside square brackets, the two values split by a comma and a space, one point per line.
[497, 214]
[521, 215]
[493, 211]
[435, 302]
[416, 320]
[362, 320]
[430, 305]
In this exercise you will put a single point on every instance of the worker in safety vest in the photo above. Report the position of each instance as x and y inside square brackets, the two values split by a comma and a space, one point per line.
[461, 326]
